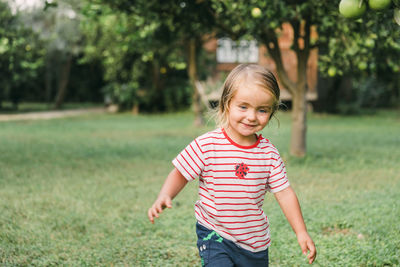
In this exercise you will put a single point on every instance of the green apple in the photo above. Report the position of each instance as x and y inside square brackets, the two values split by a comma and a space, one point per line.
[332, 71]
[273, 24]
[369, 43]
[379, 4]
[362, 65]
[352, 8]
[256, 12]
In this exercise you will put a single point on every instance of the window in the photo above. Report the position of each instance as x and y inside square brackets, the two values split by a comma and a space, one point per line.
[242, 51]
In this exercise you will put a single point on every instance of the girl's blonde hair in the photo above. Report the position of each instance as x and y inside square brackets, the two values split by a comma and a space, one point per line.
[256, 74]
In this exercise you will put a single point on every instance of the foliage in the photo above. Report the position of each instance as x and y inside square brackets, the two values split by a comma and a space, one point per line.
[364, 94]
[86, 81]
[58, 25]
[34, 44]
[368, 44]
[138, 54]
[142, 45]
[21, 58]
[261, 20]
[356, 8]
[239, 19]
[345, 46]
[365, 50]
[75, 191]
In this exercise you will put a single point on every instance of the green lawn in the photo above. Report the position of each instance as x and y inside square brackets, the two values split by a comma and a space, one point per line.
[75, 191]
[24, 107]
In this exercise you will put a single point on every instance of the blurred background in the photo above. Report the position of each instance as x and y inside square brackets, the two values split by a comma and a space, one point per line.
[145, 56]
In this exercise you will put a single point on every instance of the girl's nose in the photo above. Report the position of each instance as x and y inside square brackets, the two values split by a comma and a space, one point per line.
[251, 115]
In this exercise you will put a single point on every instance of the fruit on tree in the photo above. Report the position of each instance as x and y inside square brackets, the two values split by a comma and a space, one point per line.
[352, 8]
[379, 4]
[362, 65]
[369, 43]
[256, 12]
[332, 71]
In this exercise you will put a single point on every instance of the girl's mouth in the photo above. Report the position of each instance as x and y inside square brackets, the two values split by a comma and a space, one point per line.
[249, 125]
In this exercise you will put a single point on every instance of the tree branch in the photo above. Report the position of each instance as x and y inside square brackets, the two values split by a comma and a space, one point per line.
[302, 32]
[270, 40]
[222, 27]
[296, 34]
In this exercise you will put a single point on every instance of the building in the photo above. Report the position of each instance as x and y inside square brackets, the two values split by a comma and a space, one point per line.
[231, 53]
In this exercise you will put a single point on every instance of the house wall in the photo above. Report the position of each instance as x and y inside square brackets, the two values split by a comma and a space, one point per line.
[289, 61]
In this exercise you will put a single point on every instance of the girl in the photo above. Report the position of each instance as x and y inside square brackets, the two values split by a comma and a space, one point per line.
[236, 167]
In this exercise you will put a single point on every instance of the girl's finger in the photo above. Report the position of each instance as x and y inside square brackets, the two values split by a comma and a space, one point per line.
[150, 215]
[313, 252]
[303, 247]
[168, 203]
[159, 208]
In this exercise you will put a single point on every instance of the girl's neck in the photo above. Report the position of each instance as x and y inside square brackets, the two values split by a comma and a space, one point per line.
[241, 141]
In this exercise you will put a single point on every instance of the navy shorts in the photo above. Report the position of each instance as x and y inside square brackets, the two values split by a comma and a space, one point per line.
[216, 251]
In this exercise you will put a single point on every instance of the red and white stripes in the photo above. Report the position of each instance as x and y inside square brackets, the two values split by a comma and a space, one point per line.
[229, 203]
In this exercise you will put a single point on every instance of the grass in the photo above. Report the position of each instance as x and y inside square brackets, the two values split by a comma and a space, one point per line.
[24, 107]
[75, 191]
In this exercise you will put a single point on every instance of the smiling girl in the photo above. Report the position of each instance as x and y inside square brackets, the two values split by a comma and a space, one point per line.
[236, 167]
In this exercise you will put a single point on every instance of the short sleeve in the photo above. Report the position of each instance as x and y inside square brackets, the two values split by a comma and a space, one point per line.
[190, 162]
[277, 180]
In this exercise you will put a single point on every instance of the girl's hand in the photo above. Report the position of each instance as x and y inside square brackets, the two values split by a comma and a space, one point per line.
[289, 203]
[162, 202]
[174, 183]
[306, 245]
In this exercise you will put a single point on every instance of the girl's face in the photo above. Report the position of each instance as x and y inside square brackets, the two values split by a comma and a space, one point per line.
[249, 112]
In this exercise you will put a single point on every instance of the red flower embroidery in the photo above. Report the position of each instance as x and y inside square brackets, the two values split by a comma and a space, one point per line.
[241, 170]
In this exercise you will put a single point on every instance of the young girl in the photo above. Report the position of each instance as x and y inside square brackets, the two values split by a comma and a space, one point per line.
[236, 167]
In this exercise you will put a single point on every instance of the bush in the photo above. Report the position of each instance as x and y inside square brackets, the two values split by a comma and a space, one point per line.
[171, 93]
[365, 94]
[348, 95]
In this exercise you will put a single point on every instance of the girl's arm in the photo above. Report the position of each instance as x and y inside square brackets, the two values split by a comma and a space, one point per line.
[290, 206]
[174, 183]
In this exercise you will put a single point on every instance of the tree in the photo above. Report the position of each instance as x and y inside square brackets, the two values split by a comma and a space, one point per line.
[189, 22]
[235, 18]
[57, 24]
[171, 33]
[21, 54]
[167, 27]
[340, 43]
[137, 52]
[363, 52]
[355, 9]
[377, 34]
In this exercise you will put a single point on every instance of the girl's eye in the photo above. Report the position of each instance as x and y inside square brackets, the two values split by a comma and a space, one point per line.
[243, 107]
[263, 111]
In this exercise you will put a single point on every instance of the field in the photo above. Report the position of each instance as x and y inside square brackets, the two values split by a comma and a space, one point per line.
[75, 191]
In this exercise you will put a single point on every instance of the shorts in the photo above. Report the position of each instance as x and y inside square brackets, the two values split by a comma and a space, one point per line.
[216, 251]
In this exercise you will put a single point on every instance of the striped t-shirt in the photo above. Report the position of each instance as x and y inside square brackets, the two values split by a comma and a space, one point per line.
[233, 180]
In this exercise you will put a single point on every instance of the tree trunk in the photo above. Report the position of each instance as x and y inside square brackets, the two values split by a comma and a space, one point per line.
[62, 87]
[299, 123]
[1, 97]
[48, 78]
[192, 72]
[298, 88]
[135, 109]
